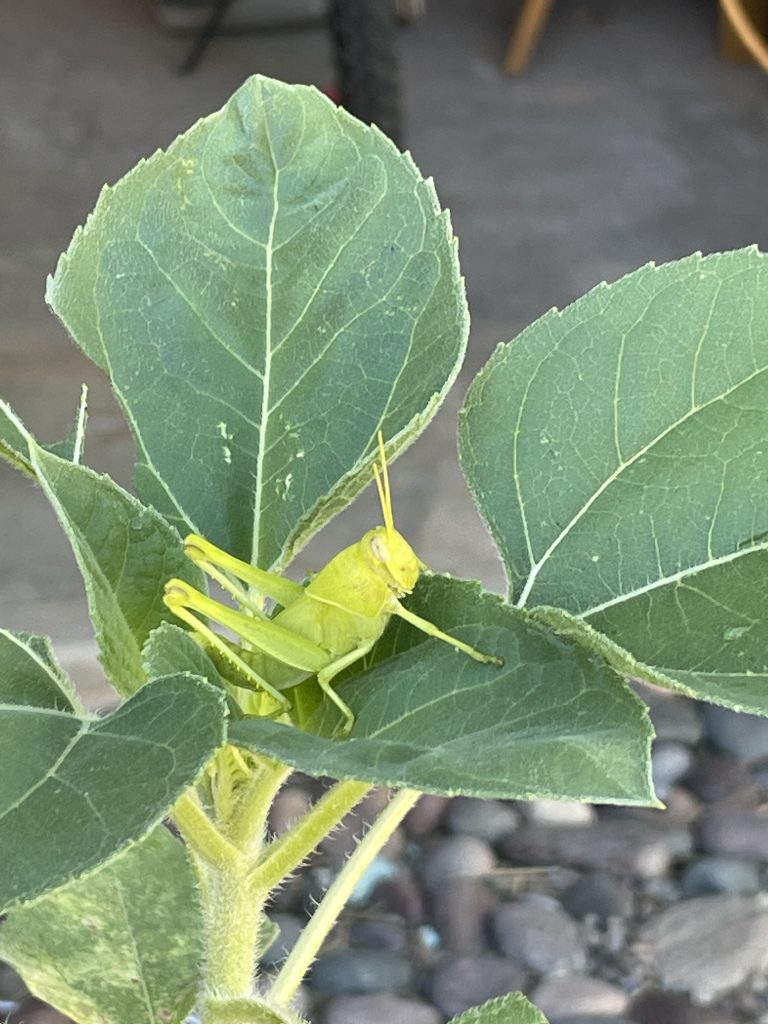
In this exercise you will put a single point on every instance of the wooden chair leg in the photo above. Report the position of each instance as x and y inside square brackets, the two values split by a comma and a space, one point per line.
[527, 31]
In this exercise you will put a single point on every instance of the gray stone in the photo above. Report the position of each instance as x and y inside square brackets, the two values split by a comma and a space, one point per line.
[709, 945]
[379, 870]
[290, 804]
[12, 988]
[655, 1007]
[425, 816]
[290, 930]
[400, 895]
[456, 857]
[674, 718]
[734, 832]
[35, 1012]
[720, 874]
[566, 813]
[670, 762]
[343, 841]
[573, 994]
[360, 972]
[623, 846]
[462, 982]
[744, 736]
[541, 936]
[384, 1008]
[592, 1019]
[600, 894]
[486, 819]
[459, 913]
[379, 934]
[719, 777]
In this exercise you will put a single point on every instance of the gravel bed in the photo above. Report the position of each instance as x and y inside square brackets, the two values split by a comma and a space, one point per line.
[623, 915]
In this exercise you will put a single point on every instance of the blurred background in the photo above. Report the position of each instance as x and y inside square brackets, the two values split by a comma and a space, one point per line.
[635, 132]
[628, 137]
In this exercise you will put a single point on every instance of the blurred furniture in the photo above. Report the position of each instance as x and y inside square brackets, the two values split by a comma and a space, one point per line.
[530, 22]
[743, 24]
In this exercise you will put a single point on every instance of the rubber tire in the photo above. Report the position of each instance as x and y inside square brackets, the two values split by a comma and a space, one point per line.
[364, 36]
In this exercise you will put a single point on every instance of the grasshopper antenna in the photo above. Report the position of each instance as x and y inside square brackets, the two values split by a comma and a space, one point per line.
[382, 486]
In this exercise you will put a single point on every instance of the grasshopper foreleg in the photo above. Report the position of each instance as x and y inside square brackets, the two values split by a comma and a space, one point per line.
[431, 630]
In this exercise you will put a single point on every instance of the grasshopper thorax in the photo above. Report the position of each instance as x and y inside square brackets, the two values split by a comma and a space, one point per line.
[390, 557]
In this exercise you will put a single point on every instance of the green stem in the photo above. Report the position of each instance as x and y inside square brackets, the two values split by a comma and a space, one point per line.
[200, 833]
[285, 854]
[334, 901]
[249, 819]
[232, 918]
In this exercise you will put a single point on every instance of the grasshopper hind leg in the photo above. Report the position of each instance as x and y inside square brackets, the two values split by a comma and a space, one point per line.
[177, 600]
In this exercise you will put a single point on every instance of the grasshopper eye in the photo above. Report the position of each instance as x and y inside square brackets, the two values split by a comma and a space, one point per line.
[379, 550]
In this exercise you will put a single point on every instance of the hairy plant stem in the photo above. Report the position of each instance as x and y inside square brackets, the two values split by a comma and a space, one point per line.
[287, 853]
[200, 833]
[237, 874]
[334, 901]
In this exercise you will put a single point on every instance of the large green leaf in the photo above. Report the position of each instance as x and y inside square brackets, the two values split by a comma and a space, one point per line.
[553, 721]
[123, 944]
[619, 452]
[30, 675]
[126, 553]
[511, 1009]
[96, 784]
[265, 295]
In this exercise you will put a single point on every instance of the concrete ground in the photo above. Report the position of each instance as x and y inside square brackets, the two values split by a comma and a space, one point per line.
[629, 139]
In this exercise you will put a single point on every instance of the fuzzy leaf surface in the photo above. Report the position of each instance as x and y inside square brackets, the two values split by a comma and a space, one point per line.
[126, 552]
[96, 784]
[123, 944]
[265, 295]
[30, 674]
[511, 1009]
[619, 453]
[552, 721]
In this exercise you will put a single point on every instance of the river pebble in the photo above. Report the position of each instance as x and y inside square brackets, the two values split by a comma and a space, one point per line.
[384, 1008]
[566, 813]
[568, 994]
[360, 971]
[459, 913]
[734, 831]
[719, 777]
[379, 933]
[720, 874]
[671, 760]
[674, 718]
[456, 857]
[622, 846]
[462, 982]
[290, 930]
[541, 936]
[601, 894]
[290, 804]
[487, 819]
[425, 817]
[744, 736]
[708, 945]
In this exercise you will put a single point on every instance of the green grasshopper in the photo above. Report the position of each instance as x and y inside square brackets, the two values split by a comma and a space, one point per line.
[322, 627]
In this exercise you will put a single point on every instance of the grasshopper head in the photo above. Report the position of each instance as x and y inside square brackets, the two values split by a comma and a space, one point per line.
[392, 559]
[384, 550]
